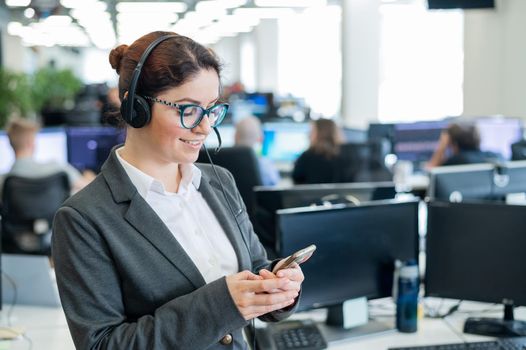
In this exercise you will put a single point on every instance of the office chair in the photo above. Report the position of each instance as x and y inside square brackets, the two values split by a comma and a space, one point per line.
[364, 162]
[243, 163]
[518, 150]
[28, 207]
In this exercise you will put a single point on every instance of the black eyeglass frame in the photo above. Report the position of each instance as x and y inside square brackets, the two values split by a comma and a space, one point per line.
[182, 107]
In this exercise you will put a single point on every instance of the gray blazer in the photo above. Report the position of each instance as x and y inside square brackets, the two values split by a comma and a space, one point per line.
[126, 283]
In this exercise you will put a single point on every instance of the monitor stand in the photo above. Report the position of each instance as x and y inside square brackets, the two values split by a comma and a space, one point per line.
[351, 320]
[496, 327]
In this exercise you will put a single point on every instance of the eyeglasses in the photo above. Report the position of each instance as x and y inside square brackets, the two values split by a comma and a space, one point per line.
[191, 115]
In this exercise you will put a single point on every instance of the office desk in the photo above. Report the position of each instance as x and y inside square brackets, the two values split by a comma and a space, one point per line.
[47, 328]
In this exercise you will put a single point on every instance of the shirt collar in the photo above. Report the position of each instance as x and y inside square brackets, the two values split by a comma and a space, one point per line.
[144, 182]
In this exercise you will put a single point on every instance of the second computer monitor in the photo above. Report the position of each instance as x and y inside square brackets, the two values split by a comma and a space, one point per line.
[356, 248]
[88, 147]
[475, 251]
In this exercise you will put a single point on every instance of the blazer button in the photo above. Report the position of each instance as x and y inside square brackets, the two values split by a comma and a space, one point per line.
[226, 340]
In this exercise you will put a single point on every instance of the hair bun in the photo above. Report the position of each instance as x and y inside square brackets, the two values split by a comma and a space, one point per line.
[116, 56]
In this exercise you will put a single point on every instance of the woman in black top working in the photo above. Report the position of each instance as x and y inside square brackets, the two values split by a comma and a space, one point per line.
[321, 162]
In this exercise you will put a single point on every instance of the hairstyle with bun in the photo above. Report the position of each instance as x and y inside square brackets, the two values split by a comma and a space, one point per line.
[171, 64]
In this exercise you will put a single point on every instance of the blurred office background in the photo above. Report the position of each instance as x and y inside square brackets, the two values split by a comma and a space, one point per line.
[393, 74]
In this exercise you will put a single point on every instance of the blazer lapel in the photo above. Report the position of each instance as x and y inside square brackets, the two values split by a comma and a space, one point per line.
[144, 219]
[217, 202]
[141, 216]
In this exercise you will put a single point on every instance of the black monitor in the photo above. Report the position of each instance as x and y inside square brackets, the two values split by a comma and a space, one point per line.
[478, 181]
[270, 199]
[475, 251]
[356, 248]
[381, 131]
[457, 183]
[460, 4]
[88, 147]
[512, 179]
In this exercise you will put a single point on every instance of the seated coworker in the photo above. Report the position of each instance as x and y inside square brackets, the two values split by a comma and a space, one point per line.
[463, 141]
[149, 255]
[249, 133]
[22, 134]
[321, 162]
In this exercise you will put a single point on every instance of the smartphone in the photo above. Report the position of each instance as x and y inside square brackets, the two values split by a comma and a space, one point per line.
[298, 257]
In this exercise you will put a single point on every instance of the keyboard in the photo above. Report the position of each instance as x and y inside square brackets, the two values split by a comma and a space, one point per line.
[291, 335]
[500, 344]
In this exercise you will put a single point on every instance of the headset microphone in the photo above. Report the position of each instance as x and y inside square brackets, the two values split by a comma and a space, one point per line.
[218, 148]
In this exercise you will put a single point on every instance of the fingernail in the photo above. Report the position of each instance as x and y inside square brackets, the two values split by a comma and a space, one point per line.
[281, 274]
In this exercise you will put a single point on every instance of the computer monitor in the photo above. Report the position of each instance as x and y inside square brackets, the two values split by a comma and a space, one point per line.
[50, 145]
[89, 147]
[457, 183]
[497, 134]
[417, 141]
[270, 199]
[284, 142]
[258, 104]
[475, 251]
[381, 131]
[356, 248]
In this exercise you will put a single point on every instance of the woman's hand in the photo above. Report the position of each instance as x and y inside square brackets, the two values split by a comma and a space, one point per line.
[293, 274]
[256, 295]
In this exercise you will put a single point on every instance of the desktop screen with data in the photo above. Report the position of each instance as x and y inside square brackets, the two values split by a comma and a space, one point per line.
[417, 141]
[50, 145]
[284, 142]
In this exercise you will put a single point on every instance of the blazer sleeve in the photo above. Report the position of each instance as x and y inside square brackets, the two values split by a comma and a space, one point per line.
[91, 296]
[259, 255]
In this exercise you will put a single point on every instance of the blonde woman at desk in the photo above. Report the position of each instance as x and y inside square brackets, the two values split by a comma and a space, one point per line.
[158, 253]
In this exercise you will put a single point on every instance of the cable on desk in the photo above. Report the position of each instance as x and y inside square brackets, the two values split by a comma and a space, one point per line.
[11, 308]
[458, 334]
[15, 297]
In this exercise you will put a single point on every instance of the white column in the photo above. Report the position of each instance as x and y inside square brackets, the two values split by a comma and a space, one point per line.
[494, 60]
[266, 38]
[360, 61]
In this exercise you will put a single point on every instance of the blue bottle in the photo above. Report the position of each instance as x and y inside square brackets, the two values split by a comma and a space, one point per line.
[407, 298]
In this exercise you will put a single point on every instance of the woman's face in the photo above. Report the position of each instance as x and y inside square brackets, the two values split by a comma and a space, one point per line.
[168, 139]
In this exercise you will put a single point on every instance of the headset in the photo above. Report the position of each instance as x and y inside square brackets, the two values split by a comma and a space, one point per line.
[135, 110]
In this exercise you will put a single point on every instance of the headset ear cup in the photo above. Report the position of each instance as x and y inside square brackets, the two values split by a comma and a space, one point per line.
[141, 109]
[140, 113]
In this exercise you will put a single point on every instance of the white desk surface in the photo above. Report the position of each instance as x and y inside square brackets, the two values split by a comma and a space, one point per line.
[47, 328]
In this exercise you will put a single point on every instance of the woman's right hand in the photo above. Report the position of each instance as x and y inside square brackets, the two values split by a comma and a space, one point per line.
[250, 293]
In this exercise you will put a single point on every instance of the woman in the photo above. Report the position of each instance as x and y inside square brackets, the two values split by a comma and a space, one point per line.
[141, 254]
[321, 162]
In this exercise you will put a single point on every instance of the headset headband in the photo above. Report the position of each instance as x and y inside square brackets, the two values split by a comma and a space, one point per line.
[137, 73]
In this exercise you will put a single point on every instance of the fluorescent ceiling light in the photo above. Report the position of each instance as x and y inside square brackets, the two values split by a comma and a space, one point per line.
[151, 6]
[29, 12]
[211, 5]
[290, 3]
[17, 3]
[84, 4]
[263, 12]
[57, 20]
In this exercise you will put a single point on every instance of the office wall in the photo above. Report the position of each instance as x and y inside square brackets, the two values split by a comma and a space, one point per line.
[495, 60]
[228, 50]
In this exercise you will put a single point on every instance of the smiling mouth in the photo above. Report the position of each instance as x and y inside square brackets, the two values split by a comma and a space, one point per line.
[192, 142]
